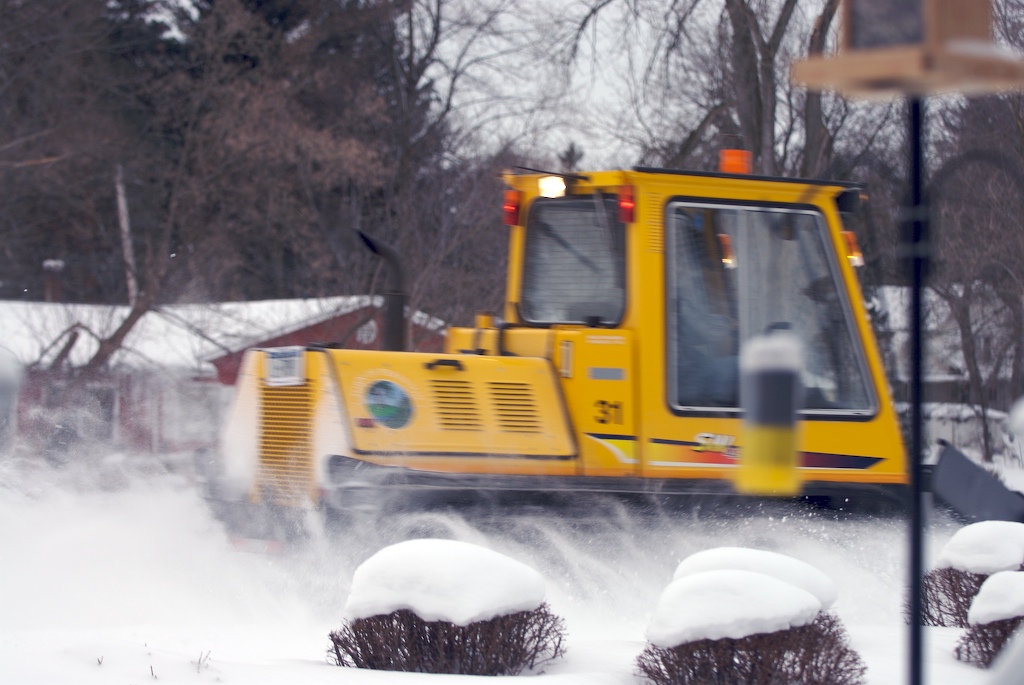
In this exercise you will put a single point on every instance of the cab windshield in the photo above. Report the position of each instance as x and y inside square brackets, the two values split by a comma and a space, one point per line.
[574, 266]
[736, 272]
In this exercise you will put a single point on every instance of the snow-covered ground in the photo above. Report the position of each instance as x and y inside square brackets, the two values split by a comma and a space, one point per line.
[115, 572]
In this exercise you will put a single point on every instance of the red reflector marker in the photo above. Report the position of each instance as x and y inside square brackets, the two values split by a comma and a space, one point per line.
[510, 208]
[364, 422]
[627, 205]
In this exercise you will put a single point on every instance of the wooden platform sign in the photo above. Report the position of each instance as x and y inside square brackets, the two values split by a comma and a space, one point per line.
[896, 47]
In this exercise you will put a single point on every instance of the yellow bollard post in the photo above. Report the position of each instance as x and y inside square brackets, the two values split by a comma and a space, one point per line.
[770, 394]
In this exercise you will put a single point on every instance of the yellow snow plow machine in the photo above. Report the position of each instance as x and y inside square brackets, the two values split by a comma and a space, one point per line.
[613, 367]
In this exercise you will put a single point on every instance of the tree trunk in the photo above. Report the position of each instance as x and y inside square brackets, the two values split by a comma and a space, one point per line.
[753, 71]
[126, 237]
[746, 81]
[961, 308]
[817, 138]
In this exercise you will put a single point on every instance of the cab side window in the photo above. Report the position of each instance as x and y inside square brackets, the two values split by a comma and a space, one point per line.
[734, 272]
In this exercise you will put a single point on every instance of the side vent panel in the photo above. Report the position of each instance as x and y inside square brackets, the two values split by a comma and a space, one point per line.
[515, 407]
[456, 405]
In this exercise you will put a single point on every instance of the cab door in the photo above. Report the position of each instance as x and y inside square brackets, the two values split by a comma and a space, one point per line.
[598, 378]
[738, 267]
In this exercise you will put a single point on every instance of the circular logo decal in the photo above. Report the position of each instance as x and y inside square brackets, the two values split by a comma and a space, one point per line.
[389, 404]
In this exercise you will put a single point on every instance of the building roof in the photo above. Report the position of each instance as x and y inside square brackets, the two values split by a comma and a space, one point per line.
[185, 336]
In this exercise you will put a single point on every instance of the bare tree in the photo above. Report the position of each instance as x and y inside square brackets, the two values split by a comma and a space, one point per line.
[712, 74]
[976, 195]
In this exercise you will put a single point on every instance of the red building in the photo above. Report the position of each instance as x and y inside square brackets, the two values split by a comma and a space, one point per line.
[359, 329]
[166, 389]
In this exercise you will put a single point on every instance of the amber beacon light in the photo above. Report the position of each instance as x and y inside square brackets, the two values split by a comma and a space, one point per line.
[732, 161]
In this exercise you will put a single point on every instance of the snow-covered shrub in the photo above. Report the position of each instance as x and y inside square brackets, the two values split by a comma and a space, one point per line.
[402, 641]
[779, 566]
[442, 606]
[982, 643]
[995, 615]
[973, 554]
[817, 653]
[735, 615]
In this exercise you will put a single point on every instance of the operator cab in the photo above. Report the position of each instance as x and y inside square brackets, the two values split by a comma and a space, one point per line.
[641, 286]
[732, 271]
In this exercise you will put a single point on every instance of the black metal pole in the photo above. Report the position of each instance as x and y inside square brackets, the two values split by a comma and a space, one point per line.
[917, 251]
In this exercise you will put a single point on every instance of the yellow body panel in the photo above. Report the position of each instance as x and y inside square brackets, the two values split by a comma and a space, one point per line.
[586, 401]
[531, 342]
[422, 404]
[597, 371]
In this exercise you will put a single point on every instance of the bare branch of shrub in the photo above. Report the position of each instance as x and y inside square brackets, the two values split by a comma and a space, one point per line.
[981, 644]
[402, 641]
[203, 660]
[946, 597]
[815, 654]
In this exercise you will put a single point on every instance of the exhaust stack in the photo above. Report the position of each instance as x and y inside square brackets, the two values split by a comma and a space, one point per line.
[394, 297]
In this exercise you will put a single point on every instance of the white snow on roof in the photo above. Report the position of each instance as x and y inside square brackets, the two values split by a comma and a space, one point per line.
[983, 48]
[178, 336]
[728, 603]
[1001, 597]
[951, 411]
[232, 326]
[1016, 418]
[443, 580]
[945, 358]
[985, 547]
[779, 566]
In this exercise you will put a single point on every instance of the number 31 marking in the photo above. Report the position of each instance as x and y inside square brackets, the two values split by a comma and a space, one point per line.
[608, 412]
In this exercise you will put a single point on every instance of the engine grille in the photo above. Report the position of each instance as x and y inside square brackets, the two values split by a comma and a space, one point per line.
[512, 406]
[285, 474]
[456, 405]
[515, 407]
